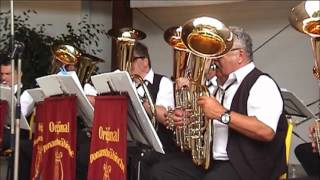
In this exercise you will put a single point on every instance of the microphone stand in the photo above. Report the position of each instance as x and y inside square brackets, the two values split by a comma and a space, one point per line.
[12, 137]
[17, 122]
[16, 50]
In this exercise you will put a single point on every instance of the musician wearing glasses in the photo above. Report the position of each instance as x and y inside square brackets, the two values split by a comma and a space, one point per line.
[161, 90]
[249, 125]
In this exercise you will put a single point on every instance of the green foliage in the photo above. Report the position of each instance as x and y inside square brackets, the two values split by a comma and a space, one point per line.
[37, 54]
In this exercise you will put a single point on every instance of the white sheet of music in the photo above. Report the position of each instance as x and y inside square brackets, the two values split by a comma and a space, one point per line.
[68, 84]
[138, 120]
[5, 94]
[37, 94]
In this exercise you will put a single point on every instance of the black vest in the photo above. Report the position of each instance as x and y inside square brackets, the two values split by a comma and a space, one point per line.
[165, 135]
[252, 159]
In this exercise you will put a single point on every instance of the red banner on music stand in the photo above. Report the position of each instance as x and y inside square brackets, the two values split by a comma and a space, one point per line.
[108, 150]
[3, 113]
[59, 146]
[37, 145]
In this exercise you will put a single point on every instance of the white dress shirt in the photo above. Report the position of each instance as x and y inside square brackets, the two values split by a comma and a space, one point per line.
[264, 102]
[165, 93]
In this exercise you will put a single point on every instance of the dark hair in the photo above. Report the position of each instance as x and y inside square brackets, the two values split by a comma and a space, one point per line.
[5, 61]
[141, 50]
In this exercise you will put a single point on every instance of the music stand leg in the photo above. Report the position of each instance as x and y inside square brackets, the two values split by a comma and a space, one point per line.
[139, 166]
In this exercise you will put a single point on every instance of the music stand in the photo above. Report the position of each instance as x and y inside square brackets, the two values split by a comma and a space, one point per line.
[140, 128]
[5, 94]
[293, 106]
[67, 84]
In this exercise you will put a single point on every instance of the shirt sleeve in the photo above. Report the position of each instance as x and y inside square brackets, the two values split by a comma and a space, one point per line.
[265, 102]
[27, 103]
[165, 94]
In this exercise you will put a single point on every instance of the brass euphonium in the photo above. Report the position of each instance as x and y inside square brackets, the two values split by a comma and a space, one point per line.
[305, 18]
[64, 54]
[181, 56]
[205, 39]
[125, 39]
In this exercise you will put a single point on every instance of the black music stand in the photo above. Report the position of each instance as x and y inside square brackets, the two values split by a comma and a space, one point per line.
[293, 106]
[141, 135]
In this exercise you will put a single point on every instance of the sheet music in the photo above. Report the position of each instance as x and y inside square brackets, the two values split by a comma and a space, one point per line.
[5, 94]
[50, 85]
[68, 83]
[37, 94]
[139, 125]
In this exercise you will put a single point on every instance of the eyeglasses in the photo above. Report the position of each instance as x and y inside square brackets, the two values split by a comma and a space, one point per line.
[234, 49]
[138, 57]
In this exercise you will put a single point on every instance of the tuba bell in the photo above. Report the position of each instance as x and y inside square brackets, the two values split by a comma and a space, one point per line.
[305, 18]
[125, 39]
[205, 39]
[64, 54]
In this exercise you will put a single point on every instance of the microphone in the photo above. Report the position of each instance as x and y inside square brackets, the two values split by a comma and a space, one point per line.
[18, 50]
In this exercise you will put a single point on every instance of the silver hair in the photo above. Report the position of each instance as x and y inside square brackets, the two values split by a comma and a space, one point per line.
[244, 39]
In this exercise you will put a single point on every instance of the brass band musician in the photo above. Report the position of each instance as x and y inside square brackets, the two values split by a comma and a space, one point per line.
[249, 124]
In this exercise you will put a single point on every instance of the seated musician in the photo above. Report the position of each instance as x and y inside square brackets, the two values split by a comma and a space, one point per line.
[161, 90]
[26, 100]
[249, 126]
[26, 146]
[309, 155]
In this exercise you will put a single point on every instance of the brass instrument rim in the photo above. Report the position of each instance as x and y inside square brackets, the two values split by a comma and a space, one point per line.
[60, 51]
[203, 26]
[303, 14]
[127, 34]
[173, 37]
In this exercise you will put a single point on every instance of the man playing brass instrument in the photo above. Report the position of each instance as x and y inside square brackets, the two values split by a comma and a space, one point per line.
[309, 155]
[161, 90]
[249, 125]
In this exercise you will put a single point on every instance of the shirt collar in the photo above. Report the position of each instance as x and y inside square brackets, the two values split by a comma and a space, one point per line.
[239, 74]
[149, 76]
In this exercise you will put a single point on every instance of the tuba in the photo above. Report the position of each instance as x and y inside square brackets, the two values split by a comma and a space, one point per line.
[305, 18]
[125, 39]
[205, 39]
[64, 54]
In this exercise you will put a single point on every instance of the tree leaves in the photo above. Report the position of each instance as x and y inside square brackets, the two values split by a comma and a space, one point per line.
[37, 54]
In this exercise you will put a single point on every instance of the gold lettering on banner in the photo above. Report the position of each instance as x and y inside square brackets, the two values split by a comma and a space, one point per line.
[105, 134]
[40, 127]
[37, 162]
[59, 142]
[37, 140]
[106, 171]
[58, 127]
[58, 166]
[108, 153]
